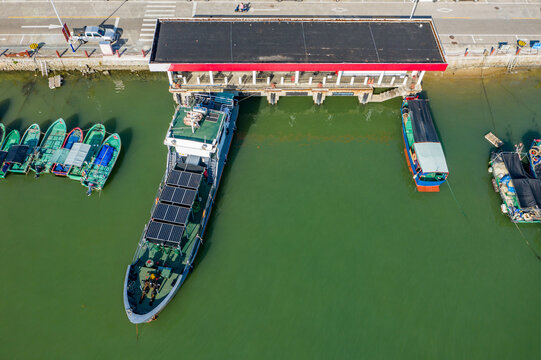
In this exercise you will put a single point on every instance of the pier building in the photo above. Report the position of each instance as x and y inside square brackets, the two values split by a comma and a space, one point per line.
[373, 59]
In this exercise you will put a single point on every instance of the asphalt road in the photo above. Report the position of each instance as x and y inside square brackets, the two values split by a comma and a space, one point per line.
[459, 24]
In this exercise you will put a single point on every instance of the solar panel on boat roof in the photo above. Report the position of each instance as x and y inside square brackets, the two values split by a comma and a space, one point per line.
[159, 211]
[183, 178]
[153, 230]
[189, 197]
[178, 196]
[164, 233]
[167, 193]
[173, 177]
[195, 180]
[171, 213]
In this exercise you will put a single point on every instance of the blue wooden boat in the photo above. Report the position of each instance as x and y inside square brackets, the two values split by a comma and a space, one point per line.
[423, 150]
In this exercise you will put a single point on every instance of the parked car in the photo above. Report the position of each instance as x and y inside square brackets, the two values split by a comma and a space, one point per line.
[94, 34]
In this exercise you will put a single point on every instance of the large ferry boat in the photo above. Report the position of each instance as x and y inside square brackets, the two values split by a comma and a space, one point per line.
[198, 139]
[423, 150]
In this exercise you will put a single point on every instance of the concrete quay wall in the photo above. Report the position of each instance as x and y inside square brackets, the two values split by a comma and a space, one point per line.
[83, 64]
[138, 63]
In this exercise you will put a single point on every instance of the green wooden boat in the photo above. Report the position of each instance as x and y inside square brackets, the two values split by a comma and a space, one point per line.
[52, 141]
[13, 138]
[31, 139]
[94, 138]
[95, 175]
[2, 133]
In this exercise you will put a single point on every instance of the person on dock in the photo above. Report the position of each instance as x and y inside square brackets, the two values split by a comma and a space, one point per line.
[242, 7]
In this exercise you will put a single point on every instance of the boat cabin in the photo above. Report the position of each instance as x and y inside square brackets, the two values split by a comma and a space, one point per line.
[198, 128]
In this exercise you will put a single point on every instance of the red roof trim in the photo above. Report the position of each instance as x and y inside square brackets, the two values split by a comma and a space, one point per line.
[307, 67]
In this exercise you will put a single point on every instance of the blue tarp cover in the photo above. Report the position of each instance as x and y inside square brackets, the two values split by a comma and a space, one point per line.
[105, 155]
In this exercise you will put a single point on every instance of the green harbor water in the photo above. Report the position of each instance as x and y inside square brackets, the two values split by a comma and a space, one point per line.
[319, 246]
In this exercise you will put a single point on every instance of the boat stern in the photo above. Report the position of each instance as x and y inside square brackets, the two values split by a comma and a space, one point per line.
[424, 188]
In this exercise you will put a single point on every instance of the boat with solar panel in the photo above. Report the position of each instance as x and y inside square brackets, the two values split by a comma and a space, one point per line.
[30, 140]
[52, 141]
[423, 150]
[11, 140]
[83, 154]
[60, 167]
[198, 141]
[96, 174]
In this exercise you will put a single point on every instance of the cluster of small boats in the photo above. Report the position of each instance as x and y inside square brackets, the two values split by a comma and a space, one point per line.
[517, 174]
[89, 158]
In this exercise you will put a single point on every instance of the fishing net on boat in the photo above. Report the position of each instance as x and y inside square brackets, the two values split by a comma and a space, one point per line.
[59, 156]
[77, 154]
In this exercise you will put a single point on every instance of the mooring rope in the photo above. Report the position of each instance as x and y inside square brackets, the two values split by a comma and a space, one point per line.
[527, 242]
[456, 201]
[246, 98]
[8, 129]
[486, 95]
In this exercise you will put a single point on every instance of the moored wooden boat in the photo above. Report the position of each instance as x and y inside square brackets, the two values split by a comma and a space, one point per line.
[96, 174]
[423, 150]
[10, 140]
[52, 141]
[30, 139]
[519, 189]
[93, 138]
[59, 166]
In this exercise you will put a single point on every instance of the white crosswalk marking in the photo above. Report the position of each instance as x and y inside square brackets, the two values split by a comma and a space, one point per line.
[153, 11]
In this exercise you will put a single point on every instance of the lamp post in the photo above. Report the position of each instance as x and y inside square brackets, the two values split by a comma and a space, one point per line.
[412, 11]
[56, 12]
[65, 30]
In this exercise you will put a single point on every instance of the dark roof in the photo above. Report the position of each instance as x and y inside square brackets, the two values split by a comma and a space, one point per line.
[17, 154]
[514, 166]
[301, 40]
[527, 188]
[421, 120]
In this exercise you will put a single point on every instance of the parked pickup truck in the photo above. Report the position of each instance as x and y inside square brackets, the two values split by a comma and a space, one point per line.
[94, 33]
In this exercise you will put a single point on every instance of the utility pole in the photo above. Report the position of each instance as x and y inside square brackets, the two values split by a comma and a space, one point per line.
[56, 12]
[65, 30]
[412, 11]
